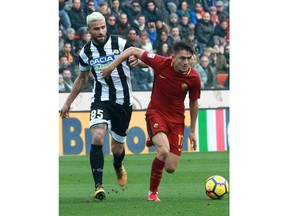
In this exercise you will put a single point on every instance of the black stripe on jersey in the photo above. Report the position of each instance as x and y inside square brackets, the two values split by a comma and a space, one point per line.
[109, 81]
[123, 78]
[98, 90]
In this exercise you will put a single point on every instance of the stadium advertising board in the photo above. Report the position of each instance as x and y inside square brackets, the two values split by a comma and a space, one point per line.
[209, 99]
[212, 127]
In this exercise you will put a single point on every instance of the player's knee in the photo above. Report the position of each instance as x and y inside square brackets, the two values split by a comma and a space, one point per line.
[163, 154]
[97, 138]
[117, 149]
[170, 169]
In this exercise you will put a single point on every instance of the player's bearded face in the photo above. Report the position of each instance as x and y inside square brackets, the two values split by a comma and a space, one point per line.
[98, 31]
[182, 61]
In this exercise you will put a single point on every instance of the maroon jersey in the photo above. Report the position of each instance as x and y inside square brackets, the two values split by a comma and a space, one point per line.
[170, 88]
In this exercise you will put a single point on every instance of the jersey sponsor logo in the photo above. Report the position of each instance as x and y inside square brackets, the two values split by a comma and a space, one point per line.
[151, 55]
[102, 60]
[161, 76]
[184, 86]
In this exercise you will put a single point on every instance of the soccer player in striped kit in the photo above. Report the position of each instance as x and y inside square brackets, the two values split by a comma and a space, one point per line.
[112, 101]
[174, 78]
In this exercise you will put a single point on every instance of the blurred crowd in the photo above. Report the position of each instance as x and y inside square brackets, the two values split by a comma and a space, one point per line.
[153, 26]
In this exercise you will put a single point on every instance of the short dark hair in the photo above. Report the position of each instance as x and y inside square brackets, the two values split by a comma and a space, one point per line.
[180, 45]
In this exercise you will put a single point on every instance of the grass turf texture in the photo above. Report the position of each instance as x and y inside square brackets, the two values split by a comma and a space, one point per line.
[181, 193]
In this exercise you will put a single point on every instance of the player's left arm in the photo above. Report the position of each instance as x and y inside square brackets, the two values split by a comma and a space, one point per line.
[193, 119]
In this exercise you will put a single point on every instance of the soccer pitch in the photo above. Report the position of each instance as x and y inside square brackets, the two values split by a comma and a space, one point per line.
[181, 193]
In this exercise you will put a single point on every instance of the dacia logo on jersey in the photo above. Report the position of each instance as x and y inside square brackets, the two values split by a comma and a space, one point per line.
[102, 60]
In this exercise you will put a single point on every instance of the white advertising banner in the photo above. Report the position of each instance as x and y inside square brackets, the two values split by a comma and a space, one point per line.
[209, 99]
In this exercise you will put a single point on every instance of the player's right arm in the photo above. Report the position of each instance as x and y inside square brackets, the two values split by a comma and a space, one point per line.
[137, 52]
[77, 88]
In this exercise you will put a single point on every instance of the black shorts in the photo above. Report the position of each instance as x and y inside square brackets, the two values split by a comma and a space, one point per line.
[117, 118]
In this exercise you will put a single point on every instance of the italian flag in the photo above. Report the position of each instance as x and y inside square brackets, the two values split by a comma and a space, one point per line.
[213, 130]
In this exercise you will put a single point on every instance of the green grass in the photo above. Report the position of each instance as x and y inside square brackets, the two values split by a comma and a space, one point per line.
[181, 193]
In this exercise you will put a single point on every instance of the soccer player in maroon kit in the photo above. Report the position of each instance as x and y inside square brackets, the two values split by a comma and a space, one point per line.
[173, 79]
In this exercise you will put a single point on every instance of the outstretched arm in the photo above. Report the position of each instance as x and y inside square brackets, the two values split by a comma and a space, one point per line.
[137, 52]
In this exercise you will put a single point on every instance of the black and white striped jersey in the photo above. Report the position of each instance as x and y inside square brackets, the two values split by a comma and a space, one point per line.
[117, 88]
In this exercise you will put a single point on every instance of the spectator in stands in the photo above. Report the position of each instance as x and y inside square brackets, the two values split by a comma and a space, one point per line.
[211, 74]
[183, 9]
[175, 34]
[220, 33]
[204, 31]
[77, 15]
[192, 40]
[220, 60]
[227, 57]
[173, 20]
[116, 9]
[112, 27]
[193, 16]
[184, 26]
[192, 3]
[61, 39]
[89, 7]
[209, 52]
[142, 78]
[97, 3]
[123, 25]
[104, 9]
[165, 50]
[64, 63]
[133, 11]
[139, 23]
[84, 37]
[61, 83]
[151, 31]
[164, 38]
[199, 10]
[133, 38]
[221, 12]
[146, 45]
[207, 4]
[151, 12]
[68, 52]
[199, 70]
[64, 20]
[160, 27]
[69, 37]
[145, 41]
[171, 5]
[213, 15]
[68, 82]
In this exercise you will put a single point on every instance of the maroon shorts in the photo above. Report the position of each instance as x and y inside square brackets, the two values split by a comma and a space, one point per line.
[174, 131]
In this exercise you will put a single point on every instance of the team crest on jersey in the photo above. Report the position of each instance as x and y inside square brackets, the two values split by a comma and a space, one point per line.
[184, 86]
[151, 55]
[116, 52]
[156, 125]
